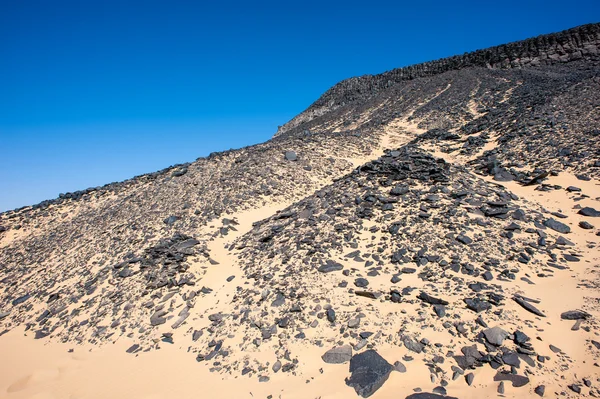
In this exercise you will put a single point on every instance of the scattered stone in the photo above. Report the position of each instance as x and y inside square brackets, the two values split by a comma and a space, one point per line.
[529, 307]
[590, 212]
[540, 390]
[361, 282]
[330, 266]
[431, 300]
[557, 226]
[337, 355]
[469, 378]
[575, 315]
[331, 315]
[477, 305]
[399, 367]
[517, 380]
[464, 239]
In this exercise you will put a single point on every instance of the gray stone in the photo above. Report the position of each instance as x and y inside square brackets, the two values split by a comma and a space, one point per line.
[495, 335]
[337, 355]
[291, 156]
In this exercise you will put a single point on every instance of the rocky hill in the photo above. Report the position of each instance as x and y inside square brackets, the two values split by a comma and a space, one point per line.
[582, 42]
[427, 232]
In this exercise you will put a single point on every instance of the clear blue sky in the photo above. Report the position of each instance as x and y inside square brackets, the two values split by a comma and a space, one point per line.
[95, 91]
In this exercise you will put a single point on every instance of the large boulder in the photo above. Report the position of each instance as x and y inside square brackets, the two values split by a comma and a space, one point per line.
[369, 372]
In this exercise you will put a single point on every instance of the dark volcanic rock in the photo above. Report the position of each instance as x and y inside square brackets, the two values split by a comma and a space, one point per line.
[585, 225]
[557, 226]
[368, 294]
[426, 395]
[369, 372]
[431, 300]
[330, 266]
[331, 315]
[540, 390]
[21, 299]
[517, 380]
[477, 305]
[464, 239]
[575, 315]
[361, 282]
[587, 211]
[529, 307]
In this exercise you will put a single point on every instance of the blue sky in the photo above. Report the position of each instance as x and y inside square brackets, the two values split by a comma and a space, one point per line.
[95, 91]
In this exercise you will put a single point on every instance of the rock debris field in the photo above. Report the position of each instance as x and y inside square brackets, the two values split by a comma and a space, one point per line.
[431, 232]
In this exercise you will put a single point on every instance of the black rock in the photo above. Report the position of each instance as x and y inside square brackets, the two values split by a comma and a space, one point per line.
[517, 380]
[512, 359]
[520, 338]
[361, 282]
[369, 372]
[431, 300]
[557, 226]
[469, 378]
[529, 307]
[575, 388]
[133, 348]
[585, 225]
[400, 189]
[570, 258]
[464, 239]
[331, 315]
[540, 390]
[575, 315]
[368, 294]
[587, 211]
[330, 266]
[426, 395]
[537, 179]
[477, 305]
[21, 299]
